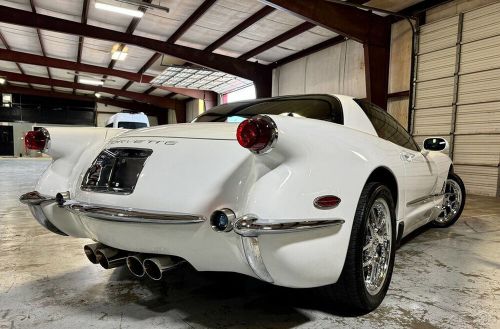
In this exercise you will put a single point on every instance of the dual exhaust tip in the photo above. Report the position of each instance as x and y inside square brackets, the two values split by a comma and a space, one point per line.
[138, 264]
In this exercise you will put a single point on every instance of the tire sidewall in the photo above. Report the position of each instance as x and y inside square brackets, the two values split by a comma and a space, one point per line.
[460, 183]
[377, 191]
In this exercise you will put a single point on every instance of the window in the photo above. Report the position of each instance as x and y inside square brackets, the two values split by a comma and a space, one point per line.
[131, 125]
[7, 100]
[320, 107]
[386, 126]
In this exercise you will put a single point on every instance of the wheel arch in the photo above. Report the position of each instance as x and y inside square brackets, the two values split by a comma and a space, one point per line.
[385, 175]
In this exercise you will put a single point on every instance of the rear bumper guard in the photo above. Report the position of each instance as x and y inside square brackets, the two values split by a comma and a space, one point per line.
[249, 228]
[35, 201]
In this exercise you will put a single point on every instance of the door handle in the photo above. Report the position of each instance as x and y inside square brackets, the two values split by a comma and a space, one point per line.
[408, 157]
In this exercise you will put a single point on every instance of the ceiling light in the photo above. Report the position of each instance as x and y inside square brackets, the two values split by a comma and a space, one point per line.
[119, 10]
[119, 52]
[91, 82]
[2, 81]
[97, 95]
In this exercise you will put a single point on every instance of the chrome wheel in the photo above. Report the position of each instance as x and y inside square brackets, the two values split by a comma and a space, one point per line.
[377, 247]
[451, 203]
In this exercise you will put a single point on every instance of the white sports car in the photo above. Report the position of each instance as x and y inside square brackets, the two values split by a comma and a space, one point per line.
[299, 191]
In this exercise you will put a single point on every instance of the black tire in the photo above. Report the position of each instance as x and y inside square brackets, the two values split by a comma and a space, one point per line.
[437, 223]
[350, 292]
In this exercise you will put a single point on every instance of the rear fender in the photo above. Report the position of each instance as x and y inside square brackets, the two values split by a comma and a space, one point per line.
[72, 150]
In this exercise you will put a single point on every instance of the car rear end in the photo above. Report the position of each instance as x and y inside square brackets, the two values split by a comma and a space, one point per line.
[251, 198]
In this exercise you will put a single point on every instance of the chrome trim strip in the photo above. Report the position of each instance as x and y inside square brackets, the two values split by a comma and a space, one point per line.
[423, 199]
[129, 215]
[249, 226]
[34, 200]
[254, 258]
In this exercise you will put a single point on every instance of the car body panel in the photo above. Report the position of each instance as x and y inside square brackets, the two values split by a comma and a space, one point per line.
[198, 168]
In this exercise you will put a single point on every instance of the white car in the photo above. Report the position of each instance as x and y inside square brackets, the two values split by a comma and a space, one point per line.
[127, 120]
[299, 191]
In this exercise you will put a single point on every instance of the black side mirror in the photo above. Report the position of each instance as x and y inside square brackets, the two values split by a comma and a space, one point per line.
[435, 144]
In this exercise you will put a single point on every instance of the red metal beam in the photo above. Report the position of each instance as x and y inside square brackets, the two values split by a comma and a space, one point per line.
[178, 33]
[354, 23]
[40, 39]
[308, 51]
[161, 113]
[240, 28]
[195, 16]
[377, 74]
[222, 63]
[154, 100]
[85, 14]
[299, 29]
[10, 55]
[6, 45]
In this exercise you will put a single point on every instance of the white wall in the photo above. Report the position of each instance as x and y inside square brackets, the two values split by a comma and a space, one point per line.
[21, 128]
[339, 69]
[194, 108]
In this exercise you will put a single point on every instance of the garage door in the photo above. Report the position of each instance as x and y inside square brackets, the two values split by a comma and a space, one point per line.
[457, 93]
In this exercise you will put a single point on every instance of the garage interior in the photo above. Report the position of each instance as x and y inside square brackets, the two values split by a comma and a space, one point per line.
[432, 64]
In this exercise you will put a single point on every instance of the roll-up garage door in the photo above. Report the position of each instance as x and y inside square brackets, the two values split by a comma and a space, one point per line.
[457, 93]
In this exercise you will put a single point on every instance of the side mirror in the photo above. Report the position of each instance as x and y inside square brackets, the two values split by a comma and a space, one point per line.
[436, 144]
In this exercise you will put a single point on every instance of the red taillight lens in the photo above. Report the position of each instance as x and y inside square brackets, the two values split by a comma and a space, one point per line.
[326, 202]
[36, 140]
[257, 134]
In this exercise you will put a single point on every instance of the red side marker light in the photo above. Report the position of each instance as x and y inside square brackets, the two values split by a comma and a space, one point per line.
[326, 202]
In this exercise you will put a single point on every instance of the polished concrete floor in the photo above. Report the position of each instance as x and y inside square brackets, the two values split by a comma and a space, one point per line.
[443, 278]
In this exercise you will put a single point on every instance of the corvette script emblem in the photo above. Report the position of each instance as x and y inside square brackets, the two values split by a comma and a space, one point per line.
[141, 141]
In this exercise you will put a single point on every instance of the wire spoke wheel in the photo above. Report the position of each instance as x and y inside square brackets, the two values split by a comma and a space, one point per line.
[377, 247]
[452, 202]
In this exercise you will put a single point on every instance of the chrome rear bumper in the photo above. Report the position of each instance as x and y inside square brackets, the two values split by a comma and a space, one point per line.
[119, 214]
[249, 227]
[35, 200]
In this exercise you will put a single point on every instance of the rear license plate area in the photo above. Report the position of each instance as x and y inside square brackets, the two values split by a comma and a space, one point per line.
[115, 170]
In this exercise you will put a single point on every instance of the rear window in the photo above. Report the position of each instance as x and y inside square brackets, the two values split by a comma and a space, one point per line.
[131, 125]
[320, 107]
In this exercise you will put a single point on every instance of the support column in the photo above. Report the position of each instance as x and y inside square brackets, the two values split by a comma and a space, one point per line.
[377, 74]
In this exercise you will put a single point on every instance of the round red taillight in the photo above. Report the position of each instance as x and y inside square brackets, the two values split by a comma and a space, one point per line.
[36, 140]
[326, 202]
[257, 134]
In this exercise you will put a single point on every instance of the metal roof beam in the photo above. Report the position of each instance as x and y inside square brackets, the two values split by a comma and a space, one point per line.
[154, 100]
[240, 28]
[351, 22]
[299, 29]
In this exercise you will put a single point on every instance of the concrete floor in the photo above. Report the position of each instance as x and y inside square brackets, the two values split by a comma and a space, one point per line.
[443, 278]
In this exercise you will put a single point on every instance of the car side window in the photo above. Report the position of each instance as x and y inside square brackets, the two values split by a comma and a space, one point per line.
[387, 127]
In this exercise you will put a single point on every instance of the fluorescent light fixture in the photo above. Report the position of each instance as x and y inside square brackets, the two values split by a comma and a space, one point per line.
[91, 82]
[2, 81]
[119, 52]
[97, 95]
[119, 10]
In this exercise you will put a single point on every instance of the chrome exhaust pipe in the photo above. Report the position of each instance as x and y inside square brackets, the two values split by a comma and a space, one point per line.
[90, 251]
[135, 265]
[156, 266]
[110, 257]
